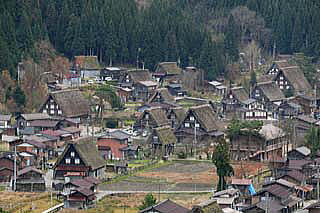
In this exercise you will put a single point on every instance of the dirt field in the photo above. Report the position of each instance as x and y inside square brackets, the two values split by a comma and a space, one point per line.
[180, 176]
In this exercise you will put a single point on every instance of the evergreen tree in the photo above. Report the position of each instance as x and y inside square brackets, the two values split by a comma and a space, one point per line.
[232, 40]
[149, 200]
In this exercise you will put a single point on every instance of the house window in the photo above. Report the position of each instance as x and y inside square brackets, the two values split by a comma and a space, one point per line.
[288, 87]
[72, 154]
[197, 125]
[191, 118]
[51, 111]
[52, 106]
[44, 111]
[187, 125]
[281, 77]
[147, 116]
[281, 87]
[47, 106]
[68, 160]
[77, 161]
[59, 112]
[155, 138]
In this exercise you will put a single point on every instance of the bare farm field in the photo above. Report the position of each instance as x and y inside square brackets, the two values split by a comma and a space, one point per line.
[180, 176]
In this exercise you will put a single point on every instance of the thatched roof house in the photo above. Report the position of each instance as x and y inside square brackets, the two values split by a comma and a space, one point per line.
[164, 134]
[295, 78]
[139, 75]
[67, 103]
[168, 68]
[161, 95]
[268, 90]
[80, 157]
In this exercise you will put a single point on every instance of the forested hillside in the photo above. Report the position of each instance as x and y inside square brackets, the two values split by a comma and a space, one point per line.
[205, 33]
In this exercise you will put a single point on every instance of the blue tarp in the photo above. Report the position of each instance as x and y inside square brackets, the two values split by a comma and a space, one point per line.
[252, 190]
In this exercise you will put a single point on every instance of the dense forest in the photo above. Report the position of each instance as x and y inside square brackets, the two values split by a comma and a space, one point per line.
[205, 33]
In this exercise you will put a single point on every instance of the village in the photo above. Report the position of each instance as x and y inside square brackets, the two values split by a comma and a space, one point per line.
[119, 133]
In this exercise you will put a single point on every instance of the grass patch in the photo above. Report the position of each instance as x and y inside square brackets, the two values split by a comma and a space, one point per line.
[2, 188]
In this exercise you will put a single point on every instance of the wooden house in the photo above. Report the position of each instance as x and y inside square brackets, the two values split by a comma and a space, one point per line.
[269, 94]
[5, 121]
[80, 157]
[301, 125]
[193, 78]
[200, 126]
[110, 147]
[291, 80]
[30, 179]
[288, 109]
[277, 66]
[62, 103]
[79, 198]
[144, 89]
[6, 167]
[309, 102]
[243, 186]
[115, 73]
[151, 118]
[167, 72]
[175, 116]
[161, 95]
[217, 87]
[265, 144]
[166, 206]
[299, 153]
[176, 90]
[86, 66]
[37, 149]
[132, 77]
[162, 141]
[24, 120]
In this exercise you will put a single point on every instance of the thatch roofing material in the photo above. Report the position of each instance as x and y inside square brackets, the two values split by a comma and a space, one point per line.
[271, 91]
[205, 116]
[180, 113]
[170, 68]
[35, 116]
[71, 102]
[159, 116]
[240, 93]
[166, 135]
[282, 64]
[296, 77]
[164, 94]
[86, 62]
[139, 75]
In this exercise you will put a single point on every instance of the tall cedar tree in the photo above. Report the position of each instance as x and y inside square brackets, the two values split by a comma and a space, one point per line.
[221, 160]
[232, 40]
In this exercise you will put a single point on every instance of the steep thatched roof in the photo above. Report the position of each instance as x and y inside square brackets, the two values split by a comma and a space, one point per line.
[169, 68]
[139, 75]
[163, 95]
[180, 113]
[271, 91]
[264, 78]
[206, 117]
[282, 64]
[240, 93]
[86, 62]
[296, 77]
[35, 116]
[166, 135]
[159, 116]
[71, 102]
[88, 153]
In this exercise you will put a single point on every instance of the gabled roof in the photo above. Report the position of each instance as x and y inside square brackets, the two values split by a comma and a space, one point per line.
[28, 169]
[230, 192]
[44, 123]
[35, 143]
[306, 118]
[272, 205]
[139, 75]
[296, 175]
[119, 134]
[270, 132]
[81, 183]
[297, 164]
[88, 153]
[169, 68]
[166, 206]
[84, 191]
[277, 191]
[180, 113]
[164, 94]
[159, 116]
[303, 150]
[166, 135]
[205, 116]
[240, 93]
[148, 83]
[71, 102]
[315, 205]
[86, 62]
[271, 91]
[296, 77]
[5, 117]
[35, 116]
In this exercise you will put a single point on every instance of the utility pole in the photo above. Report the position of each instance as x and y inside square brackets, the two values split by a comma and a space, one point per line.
[195, 139]
[15, 168]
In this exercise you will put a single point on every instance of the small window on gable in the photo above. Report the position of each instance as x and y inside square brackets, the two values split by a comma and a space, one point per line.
[77, 161]
[68, 160]
[197, 125]
[186, 124]
[72, 154]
